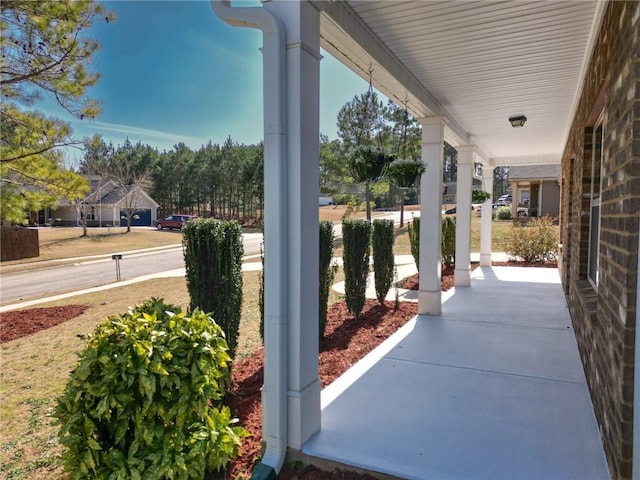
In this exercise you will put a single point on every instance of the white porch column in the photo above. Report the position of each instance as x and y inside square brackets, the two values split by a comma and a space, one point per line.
[302, 25]
[485, 220]
[430, 289]
[462, 274]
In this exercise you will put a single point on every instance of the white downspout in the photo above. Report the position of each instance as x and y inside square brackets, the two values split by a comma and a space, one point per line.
[274, 393]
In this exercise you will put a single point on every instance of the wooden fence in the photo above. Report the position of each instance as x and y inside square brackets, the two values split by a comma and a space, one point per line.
[17, 243]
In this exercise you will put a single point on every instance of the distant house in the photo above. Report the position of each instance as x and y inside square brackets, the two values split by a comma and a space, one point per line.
[107, 205]
[536, 189]
[450, 190]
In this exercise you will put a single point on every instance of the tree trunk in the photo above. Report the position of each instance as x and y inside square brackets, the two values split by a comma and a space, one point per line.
[367, 194]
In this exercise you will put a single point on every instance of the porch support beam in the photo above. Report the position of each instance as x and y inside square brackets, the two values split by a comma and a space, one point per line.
[462, 273]
[486, 220]
[430, 289]
[515, 196]
[301, 21]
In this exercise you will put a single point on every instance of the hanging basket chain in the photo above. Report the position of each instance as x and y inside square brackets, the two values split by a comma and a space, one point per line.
[405, 172]
[365, 114]
[405, 124]
[368, 162]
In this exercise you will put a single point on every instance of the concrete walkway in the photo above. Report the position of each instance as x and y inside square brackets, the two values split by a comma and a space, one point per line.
[406, 267]
[492, 389]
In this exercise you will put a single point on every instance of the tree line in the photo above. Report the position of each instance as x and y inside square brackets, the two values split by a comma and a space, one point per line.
[221, 181]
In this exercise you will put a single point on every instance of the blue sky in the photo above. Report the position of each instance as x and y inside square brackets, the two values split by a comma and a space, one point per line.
[173, 72]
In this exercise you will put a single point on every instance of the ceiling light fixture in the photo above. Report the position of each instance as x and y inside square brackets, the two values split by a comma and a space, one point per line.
[517, 121]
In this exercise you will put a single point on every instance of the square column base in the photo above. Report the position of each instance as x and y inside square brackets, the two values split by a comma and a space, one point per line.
[462, 277]
[304, 414]
[485, 259]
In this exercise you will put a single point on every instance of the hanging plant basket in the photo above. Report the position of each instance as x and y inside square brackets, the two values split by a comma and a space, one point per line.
[368, 163]
[405, 173]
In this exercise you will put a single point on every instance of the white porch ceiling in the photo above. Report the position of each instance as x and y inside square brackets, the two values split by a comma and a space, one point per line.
[476, 63]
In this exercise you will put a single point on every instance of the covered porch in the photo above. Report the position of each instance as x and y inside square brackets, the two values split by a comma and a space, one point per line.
[496, 388]
[492, 389]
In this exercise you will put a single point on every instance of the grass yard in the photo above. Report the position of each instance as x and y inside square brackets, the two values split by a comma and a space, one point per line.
[35, 370]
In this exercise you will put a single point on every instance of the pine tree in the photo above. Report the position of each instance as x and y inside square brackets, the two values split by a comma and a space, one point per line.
[44, 51]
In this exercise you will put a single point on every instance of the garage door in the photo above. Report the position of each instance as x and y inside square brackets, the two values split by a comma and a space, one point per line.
[142, 218]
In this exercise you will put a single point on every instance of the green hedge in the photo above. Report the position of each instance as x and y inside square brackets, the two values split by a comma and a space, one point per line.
[413, 227]
[213, 253]
[383, 260]
[327, 270]
[356, 239]
[448, 241]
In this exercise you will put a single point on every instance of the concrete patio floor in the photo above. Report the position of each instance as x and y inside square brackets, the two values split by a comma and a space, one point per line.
[493, 389]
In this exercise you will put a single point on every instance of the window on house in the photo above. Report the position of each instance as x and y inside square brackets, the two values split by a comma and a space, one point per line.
[594, 218]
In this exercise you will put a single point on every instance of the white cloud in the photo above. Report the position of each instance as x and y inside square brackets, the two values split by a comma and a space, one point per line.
[117, 133]
[137, 132]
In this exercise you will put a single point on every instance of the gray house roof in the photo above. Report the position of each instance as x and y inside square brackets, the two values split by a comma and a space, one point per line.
[110, 194]
[530, 172]
[107, 194]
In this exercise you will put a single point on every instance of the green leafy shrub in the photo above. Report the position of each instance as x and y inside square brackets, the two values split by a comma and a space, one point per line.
[213, 253]
[448, 241]
[382, 240]
[413, 228]
[534, 241]
[145, 399]
[356, 238]
[327, 270]
[504, 213]
[480, 196]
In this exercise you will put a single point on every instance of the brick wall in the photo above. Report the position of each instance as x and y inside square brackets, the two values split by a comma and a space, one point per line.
[604, 317]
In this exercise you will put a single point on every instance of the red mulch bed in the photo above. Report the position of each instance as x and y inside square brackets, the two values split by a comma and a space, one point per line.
[345, 342]
[19, 323]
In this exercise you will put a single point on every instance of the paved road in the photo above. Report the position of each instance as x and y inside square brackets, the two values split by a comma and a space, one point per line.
[94, 272]
[21, 286]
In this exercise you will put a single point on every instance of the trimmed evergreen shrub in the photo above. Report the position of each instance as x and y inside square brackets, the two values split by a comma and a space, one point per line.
[383, 260]
[327, 270]
[145, 399]
[535, 241]
[448, 241]
[356, 238]
[413, 228]
[213, 253]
